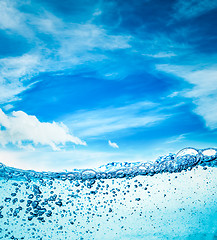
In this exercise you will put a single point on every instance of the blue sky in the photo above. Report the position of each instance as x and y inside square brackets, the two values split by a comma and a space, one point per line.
[83, 83]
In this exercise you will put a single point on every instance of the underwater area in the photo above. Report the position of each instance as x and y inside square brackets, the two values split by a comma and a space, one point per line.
[174, 197]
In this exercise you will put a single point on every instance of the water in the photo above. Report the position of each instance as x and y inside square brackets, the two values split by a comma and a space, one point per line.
[174, 197]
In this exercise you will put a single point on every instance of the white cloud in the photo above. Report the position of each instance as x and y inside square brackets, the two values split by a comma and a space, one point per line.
[207, 108]
[97, 12]
[173, 94]
[18, 67]
[15, 73]
[70, 45]
[113, 144]
[91, 123]
[11, 18]
[161, 55]
[204, 89]
[21, 128]
[8, 107]
[193, 8]
[87, 38]
[179, 138]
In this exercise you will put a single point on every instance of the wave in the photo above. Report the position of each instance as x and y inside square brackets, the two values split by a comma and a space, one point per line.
[185, 159]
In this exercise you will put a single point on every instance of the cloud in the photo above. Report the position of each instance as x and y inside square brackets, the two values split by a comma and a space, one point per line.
[21, 128]
[8, 107]
[12, 19]
[89, 38]
[113, 144]
[204, 90]
[161, 55]
[91, 123]
[56, 44]
[15, 73]
[69, 39]
[192, 8]
[177, 139]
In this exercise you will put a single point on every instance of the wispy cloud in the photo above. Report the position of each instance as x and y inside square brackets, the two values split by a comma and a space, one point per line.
[58, 45]
[113, 144]
[91, 123]
[177, 139]
[8, 107]
[20, 128]
[15, 73]
[204, 90]
[12, 20]
[161, 55]
[69, 46]
[185, 9]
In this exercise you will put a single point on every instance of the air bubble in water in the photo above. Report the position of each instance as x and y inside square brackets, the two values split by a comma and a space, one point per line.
[209, 154]
[120, 174]
[73, 175]
[188, 153]
[188, 157]
[144, 168]
[88, 174]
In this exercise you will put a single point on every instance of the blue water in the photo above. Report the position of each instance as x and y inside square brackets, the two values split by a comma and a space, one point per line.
[174, 197]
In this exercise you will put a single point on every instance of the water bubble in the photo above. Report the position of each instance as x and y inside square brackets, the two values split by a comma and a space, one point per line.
[101, 175]
[120, 174]
[144, 168]
[172, 166]
[187, 151]
[161, 166]
[18, 174]
[1, 166]
[88, 174]
[46, 174]
[209, 154]
[189, 156]
[110, 175]
[7, 199]
[131, 172]
[73, 175]
[89, 183]
[33, 174]
[63, 176]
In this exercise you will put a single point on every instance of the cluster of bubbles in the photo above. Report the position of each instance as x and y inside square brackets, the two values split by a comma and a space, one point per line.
[186, 158]
[92, 203]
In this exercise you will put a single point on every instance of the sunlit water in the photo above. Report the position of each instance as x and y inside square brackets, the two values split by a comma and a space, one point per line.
[174, 197]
